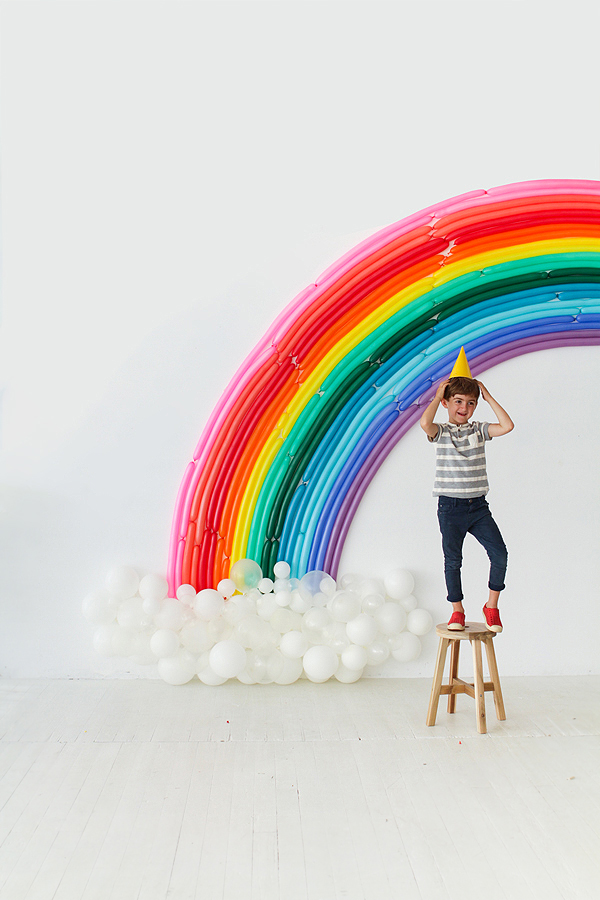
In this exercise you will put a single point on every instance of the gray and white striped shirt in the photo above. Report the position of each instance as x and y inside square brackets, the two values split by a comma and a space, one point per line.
[460, 469]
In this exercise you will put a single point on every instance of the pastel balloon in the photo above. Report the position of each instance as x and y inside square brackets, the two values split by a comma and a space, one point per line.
[265, 585]
[141, 652]
[173, 614]
[164, 642]
[227, 659]
[207, 676]
[284, 620]
[208, 604]
[253, 632]
[186, 594]
[399, 583]
[188, 661]
[294, 644]
[226, 587]
[266, 606]
[151, 606]
[246, 573]
[336, 637]
[377, 653]
[283, 598]
[171, 671]
[346, 675]
[354, 658]
[102, 640]
[344, 605]
[409, 603]
[122, 582]
[409, 647]
[265, 665]
[131, 614]
[390, 618]
[320, 663]
[315, 620]
[194, 637]
[291, 672]
[122, 640]
[362, 629]
[281, 569]
[310, 584]
[153, 587]
[371, 603]
[419, 621]
[219, 629]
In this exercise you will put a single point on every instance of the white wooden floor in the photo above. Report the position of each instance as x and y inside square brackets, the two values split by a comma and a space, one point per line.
[135, 789]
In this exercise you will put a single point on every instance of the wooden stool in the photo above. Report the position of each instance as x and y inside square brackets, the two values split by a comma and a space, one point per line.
[477, 633]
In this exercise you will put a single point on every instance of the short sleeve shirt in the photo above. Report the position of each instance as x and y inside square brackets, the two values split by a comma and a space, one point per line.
[460, 469]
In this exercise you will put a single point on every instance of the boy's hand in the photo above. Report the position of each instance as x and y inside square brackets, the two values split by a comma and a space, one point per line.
[505, 423]
[439, 394]
[485, 395]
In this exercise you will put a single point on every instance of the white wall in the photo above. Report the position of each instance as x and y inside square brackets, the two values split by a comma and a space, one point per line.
[172, 175]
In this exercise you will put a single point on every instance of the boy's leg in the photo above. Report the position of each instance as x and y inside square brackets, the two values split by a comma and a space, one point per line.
[454, 529]
[485, 530]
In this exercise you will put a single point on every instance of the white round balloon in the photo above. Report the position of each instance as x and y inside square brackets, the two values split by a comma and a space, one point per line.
[347, 676]
[208, 604]
[171, 671]
[419, 621]
[153, 587]
[354, 658]
[164, 642]
[362, 629]
[320, 663]
[344, 606]
[173, 614]
[294, 644]
[399, 583]
[390, 618]
[194, 636]
[102, 639]
[186, 593]
[409, 603]
[291, 672]
[409, 647]
[131, 614]
[122, 582]
[141, 652]
[265, 585]
[226, 587]
[207, 676]
[227, 659]
[281, 569]
[122, 640]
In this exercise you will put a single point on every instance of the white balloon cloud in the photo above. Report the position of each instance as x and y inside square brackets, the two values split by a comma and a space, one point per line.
[256, 629]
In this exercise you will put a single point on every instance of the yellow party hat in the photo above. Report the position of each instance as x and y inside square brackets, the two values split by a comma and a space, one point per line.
[461, 366]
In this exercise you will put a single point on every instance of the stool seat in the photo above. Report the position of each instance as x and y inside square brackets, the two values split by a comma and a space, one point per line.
[477, 633]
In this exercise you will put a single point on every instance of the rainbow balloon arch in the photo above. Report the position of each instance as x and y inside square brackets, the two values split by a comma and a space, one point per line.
[344, 371]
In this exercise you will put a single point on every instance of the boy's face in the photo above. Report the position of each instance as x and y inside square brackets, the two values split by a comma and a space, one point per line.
[460, 408]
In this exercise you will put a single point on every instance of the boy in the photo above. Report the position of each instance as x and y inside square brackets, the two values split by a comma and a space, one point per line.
[461, 485]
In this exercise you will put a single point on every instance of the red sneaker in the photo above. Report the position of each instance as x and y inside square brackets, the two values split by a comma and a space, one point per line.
[457, 622]
[492, 619]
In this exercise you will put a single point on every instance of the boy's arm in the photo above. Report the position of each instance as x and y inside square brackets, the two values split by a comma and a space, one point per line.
[505, 423]
[427, 423]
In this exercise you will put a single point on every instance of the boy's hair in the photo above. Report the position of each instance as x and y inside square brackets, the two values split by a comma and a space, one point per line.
[461, 385]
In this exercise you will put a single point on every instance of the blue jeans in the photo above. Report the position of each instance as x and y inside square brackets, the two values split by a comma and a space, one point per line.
[458, 517]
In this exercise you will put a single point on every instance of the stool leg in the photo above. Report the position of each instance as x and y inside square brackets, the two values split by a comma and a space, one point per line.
[437, 680]
[479, 688]
[454, 652]
[495, 679]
